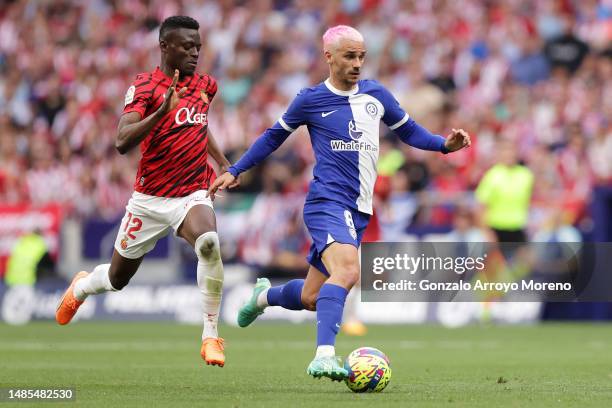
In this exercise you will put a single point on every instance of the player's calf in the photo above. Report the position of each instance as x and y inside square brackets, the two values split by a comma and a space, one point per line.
[312, 285]
[309, 300]
[117, 280]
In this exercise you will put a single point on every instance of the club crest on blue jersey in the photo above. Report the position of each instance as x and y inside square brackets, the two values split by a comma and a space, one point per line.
[371, 109]
[354, 133]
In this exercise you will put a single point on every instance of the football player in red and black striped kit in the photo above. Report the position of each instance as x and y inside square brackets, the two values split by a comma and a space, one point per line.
[166, 114]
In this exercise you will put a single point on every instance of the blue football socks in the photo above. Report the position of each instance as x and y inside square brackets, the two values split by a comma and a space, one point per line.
[330, 305]
[288, 295]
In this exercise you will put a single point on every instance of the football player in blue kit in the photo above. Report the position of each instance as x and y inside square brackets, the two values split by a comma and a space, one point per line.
[343, 115]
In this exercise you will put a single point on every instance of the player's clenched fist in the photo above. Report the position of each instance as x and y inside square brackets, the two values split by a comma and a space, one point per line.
[221, 183]
[171, 98]
[458, 139]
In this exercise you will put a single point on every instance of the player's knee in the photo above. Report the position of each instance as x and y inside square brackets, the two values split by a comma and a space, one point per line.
[207, 247]
[346, 269]
[309, 301]
[352, 276]
[348, 272]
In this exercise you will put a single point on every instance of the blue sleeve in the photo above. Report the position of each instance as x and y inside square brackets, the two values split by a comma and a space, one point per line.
[294, 117]
[394, 115]
[417, 136]
[265, 144]
[272, 138]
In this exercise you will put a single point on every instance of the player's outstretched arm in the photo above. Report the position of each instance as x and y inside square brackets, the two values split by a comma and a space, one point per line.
[264, 146]
[131, 130]
[417, 136]
[414, 134]
[267, 143]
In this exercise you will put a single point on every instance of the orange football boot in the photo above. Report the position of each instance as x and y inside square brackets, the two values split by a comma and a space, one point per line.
[68, 305]
[212, 351]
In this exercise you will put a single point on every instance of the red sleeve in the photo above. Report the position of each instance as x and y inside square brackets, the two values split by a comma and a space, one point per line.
[211, 87]
[137, 97]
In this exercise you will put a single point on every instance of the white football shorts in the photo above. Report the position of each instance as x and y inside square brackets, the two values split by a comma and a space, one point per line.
[149, 218]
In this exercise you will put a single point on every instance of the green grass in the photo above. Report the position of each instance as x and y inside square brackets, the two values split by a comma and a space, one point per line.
[158, 364]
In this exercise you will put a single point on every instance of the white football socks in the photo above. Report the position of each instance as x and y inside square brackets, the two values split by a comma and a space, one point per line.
[96, 282]
[326, 351]
[210, 280]
[262, 299]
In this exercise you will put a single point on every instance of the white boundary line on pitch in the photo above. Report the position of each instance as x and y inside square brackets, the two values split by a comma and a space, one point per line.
[137, 345]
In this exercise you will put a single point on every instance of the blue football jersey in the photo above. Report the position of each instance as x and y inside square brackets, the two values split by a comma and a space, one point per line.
[344, 128]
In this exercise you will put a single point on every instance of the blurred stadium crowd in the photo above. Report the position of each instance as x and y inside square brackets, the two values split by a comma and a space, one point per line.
[538, 74]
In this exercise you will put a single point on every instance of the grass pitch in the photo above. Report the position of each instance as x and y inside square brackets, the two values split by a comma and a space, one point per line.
[158, 364]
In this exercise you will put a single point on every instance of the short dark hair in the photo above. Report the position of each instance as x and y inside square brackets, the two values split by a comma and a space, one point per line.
[174, 22]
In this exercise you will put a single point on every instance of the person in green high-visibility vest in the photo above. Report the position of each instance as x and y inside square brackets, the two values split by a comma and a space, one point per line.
[505, 195]
[505, 192]
[25, 257]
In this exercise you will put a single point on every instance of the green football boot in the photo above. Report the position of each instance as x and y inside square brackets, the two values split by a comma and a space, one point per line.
[329, 367]
[249, 312]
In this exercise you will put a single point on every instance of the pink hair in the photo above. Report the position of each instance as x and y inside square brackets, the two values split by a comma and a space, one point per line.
[334, 34]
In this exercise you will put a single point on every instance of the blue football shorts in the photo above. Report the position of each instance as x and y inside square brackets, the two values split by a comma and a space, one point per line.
[328, 222]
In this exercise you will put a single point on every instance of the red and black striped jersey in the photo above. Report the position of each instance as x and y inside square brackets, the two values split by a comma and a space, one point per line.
[174, 159]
